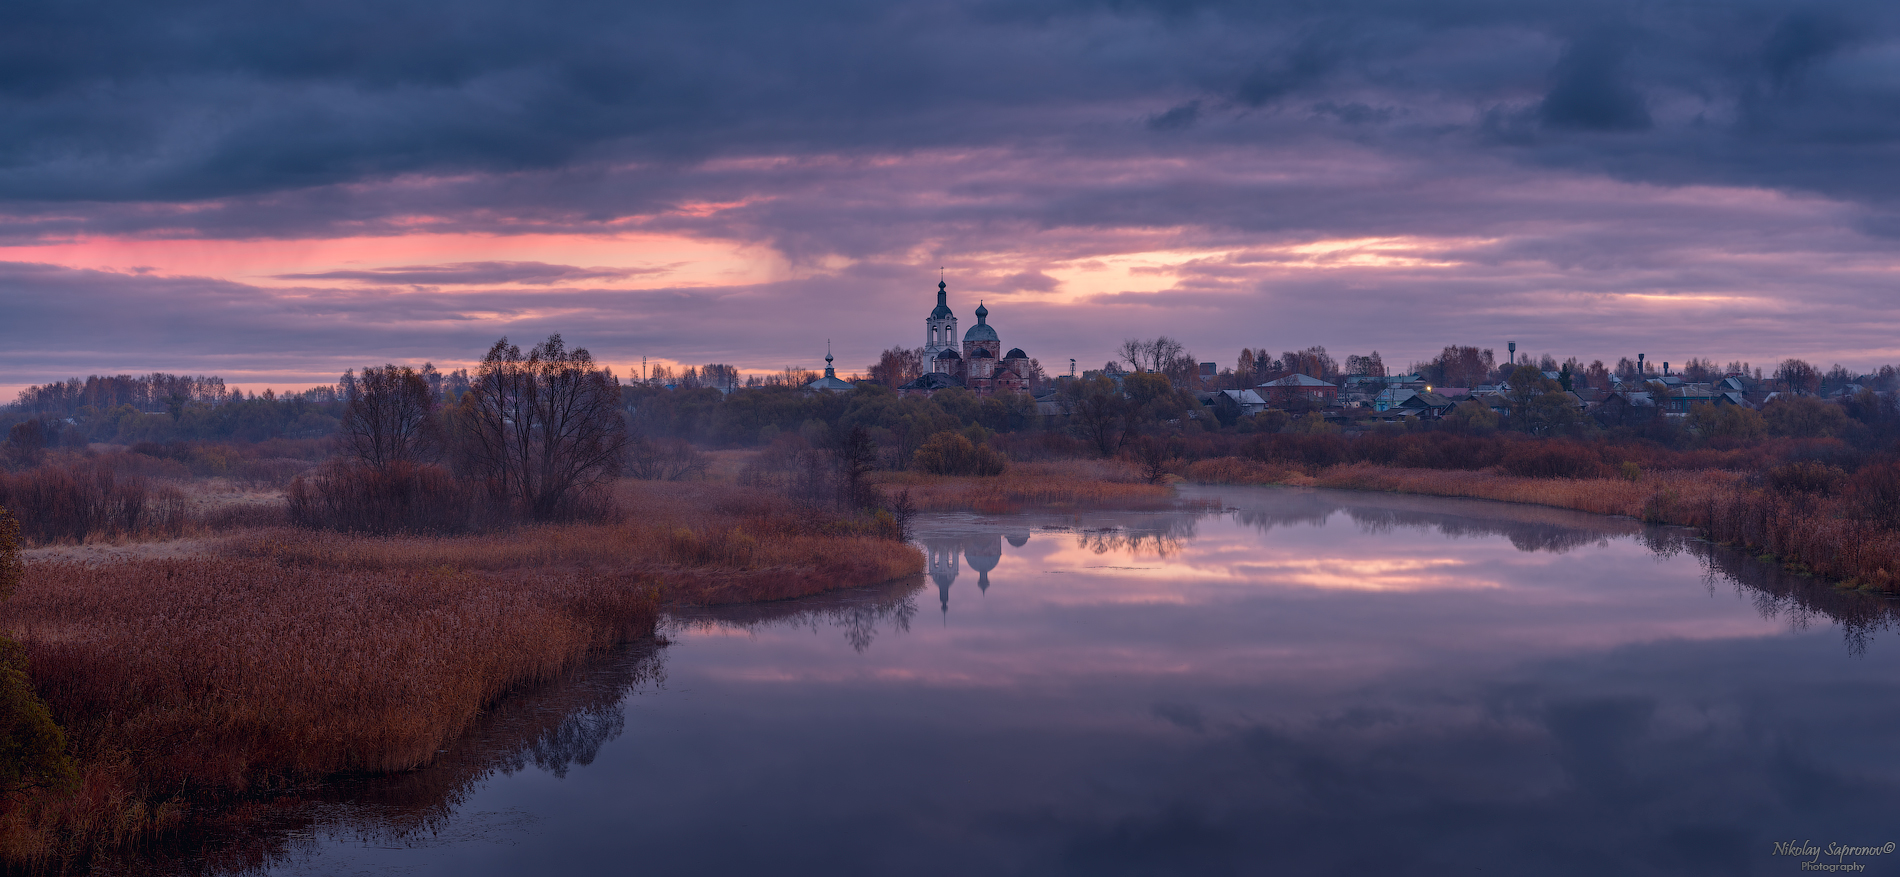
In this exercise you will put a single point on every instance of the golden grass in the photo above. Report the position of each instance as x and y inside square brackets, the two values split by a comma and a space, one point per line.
[1069, 484]
[730, 556]
[1604, 496]
[195, 683]
[196, 680]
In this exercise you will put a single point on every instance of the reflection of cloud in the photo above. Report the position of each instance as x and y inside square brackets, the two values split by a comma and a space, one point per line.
[1370, 574]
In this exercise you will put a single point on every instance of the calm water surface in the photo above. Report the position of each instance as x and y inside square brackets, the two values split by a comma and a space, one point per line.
[1302, 682]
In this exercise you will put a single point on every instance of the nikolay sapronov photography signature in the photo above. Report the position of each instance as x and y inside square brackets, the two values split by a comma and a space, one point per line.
[1840, 853]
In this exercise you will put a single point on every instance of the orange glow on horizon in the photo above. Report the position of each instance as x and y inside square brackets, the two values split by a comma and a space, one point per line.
[653, 260]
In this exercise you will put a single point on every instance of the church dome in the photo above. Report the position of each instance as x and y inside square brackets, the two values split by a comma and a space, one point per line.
[981, 331]
[943, 308]
[1015, 353]
[980, 353]
[948, 353]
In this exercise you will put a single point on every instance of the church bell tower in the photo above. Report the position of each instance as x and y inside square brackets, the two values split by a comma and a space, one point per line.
[940, 328]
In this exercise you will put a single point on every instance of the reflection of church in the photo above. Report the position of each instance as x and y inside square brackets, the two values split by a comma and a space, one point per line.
[981, 552]
[981, 366]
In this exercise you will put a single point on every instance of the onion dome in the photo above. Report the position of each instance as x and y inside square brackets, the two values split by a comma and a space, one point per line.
[943, 309]
[981, 331]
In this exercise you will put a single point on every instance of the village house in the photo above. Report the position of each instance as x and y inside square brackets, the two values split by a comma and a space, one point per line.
[1291, 388]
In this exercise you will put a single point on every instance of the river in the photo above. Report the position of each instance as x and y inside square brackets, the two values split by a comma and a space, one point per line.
[1273, 681]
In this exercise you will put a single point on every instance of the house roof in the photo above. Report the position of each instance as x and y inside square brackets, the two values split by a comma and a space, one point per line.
[1244, 397]
[831, 385]
[1298, 381]
[1425, 400]
[933, 381]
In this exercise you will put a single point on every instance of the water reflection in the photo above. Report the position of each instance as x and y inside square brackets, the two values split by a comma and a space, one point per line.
[1289, 682]
[553, 727]
[982, 551]
[858, 613]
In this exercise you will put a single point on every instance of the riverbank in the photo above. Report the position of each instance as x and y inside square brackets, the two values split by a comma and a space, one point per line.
[1807, 532]
[1061, 485]
[196, 679]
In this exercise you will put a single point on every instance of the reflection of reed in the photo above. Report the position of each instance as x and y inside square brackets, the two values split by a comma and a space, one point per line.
[1163, 537]
[1776, 592]
[552, 726]
[858, 612]
[1529, 529]
[1524, 535]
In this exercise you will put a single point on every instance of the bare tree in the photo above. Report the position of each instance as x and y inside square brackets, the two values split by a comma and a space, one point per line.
[1134, 351]
[1154, 355]
[542, 429]
[388, 417]
[898, 366]
[1799, 375]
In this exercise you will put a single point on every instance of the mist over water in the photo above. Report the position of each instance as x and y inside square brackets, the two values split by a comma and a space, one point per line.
[1295, 681]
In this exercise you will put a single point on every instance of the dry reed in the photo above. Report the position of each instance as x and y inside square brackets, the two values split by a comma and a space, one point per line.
[187, 681]
[1071, 484]
[1817, 533]
[189, 685]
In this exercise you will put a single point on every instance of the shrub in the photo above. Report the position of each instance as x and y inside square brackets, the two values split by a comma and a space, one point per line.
[1552, 458]
[75, 500]
[664, 459]
[1804, 417]
[1874, 494]
[949, 453]
[1804, 477]
[399, 498]
[32, 747]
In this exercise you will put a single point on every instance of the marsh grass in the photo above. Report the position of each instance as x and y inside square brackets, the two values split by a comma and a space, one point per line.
[192, 688]
[1069, 484]
[172, 699]
[1808, 523]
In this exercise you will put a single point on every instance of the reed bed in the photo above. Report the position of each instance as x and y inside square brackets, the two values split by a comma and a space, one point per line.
[1604, 496]
[1070, 484]
[1825, 536]
[174, 698]
[1818, 529]
[706, 544]
[190, 686]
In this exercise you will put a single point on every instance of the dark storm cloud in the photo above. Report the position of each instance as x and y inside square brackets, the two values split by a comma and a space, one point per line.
[129, 101]
[896, 138]
[1590, 93]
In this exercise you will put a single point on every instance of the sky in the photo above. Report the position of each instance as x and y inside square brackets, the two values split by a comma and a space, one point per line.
[275, 192]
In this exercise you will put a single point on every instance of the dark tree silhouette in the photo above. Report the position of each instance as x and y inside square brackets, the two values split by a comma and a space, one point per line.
[542, 429]
[388, 417]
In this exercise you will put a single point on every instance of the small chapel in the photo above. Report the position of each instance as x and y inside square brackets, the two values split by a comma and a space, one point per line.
[979, 365]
